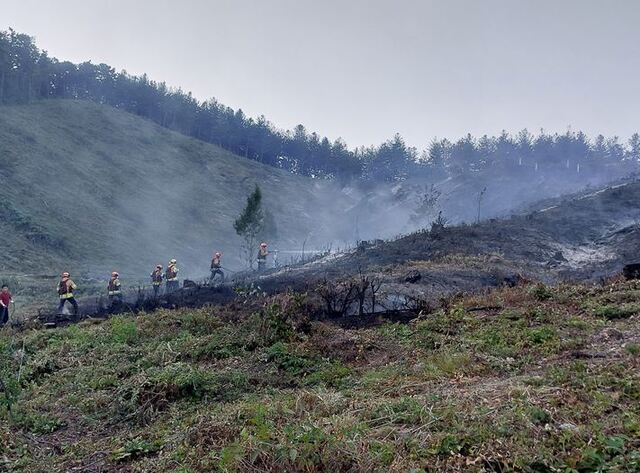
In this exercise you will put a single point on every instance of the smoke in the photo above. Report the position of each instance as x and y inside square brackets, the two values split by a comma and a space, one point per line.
[191, 219]
[179, 200]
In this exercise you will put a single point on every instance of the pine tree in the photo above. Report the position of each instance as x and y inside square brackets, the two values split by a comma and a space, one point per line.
[250, 223]
[634, 148]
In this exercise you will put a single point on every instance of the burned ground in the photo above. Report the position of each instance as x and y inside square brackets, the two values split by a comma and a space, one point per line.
[588, 237]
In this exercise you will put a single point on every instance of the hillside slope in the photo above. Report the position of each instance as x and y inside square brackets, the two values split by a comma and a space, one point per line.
[91, 188]
[525, 379]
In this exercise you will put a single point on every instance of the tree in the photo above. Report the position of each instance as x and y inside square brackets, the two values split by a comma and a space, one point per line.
[437, 157]
[464, 155]
[426, 203]
[524, 147]
[391, 161]
[28, 74]
[634, 148]
[250, 223]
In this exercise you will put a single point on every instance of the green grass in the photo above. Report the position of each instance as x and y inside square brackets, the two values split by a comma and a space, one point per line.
[209, 390]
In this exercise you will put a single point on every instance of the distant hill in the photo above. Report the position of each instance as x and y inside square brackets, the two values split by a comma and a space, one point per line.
[88, 187]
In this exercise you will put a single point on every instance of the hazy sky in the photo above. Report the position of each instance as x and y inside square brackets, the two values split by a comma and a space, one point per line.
[365, 70]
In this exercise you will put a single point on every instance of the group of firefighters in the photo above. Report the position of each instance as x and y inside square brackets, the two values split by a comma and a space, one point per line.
[66, 287]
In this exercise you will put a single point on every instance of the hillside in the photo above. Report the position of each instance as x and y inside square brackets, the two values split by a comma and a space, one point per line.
[531, 378]
[91, 188]
[589, 236]
[437, 351]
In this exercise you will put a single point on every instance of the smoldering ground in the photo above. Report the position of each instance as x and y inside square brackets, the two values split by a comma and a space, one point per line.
[188, 220]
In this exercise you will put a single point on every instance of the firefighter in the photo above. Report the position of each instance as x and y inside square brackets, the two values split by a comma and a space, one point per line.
[156, 280]
[262, 257]
[216, 267]
[65, 291]
[5, 301]
[115, 291]
[171, 276]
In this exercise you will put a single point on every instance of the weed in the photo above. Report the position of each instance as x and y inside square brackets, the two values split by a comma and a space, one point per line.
[541, 292]
[135, 448]
[633, 349]
[291, 362]
[383, 452]
[38, 423]
[217, 349]
[330, 374]
[407, 411]
[541, 335]
[453, 391]
[452, 445]
[397, 331]
[539, 416]
[179, 380]
[123, 330]
[444, 364]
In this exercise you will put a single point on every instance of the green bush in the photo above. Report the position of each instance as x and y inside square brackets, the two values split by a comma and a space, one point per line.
[181, 380]
[541, 292]
[539, 416]
[284, 359]
[135, 448]
[634, 349]
[124, 330]
[38, 423]
[541, 335]
[617, 311]
[217, 349]
[330, 374]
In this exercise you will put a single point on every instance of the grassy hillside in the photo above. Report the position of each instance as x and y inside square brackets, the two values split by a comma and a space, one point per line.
[91, 188]
[531, 378]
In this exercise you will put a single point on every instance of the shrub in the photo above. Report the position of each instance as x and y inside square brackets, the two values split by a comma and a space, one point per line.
[634, 349]
[38, 423]
[135, 448]
[293, 363]
[180, 380]
[282, 319]
[541, 292]
[539, 416]
[620, 311]
[331, 374]
[124, 330]
[541, 335]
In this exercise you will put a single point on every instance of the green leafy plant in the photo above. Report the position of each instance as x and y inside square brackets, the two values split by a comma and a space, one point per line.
[135, 448]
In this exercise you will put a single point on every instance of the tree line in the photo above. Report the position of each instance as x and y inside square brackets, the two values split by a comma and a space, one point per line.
[28, 74]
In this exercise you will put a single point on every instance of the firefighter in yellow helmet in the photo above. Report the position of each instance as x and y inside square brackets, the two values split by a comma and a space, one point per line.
[262, 257]
[114, 288]
[156, 280]
[66, 288]
[171, 276]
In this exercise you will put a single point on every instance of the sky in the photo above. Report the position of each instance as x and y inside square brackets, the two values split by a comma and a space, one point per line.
[364, 70]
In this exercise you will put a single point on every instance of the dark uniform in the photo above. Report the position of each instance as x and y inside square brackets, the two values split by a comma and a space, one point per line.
[171, 276]
[115, 292]
[156, 280]
[262, 258]
[65, 291]
[216, 268]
